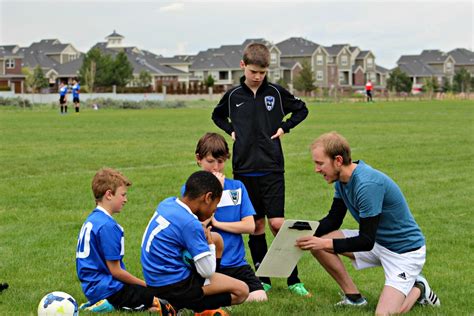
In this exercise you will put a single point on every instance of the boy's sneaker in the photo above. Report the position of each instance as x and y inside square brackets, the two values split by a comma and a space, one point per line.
[348, 302]
[266, 287]
[102, 306]
[165, 308]
[213, 312]
[427, 297]
[299, 289]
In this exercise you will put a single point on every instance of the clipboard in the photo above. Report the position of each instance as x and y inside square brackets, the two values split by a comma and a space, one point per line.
[283, 256]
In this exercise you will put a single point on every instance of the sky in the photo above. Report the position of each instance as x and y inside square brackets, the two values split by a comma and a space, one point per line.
[387, 28]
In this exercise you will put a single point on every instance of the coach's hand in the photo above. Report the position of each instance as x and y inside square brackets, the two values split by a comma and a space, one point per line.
[279, 133]
[313, 243]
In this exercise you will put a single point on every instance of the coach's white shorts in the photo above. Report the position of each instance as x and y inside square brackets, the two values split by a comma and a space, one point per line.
[400, 270]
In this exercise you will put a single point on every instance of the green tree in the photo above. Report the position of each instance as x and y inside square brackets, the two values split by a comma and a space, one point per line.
[447, 86]
[282, 82]
[144, 79]
[122, 70]
[462, 80]
[209, 81]
[28, 78]
[39, 80]
[399, 81]
[431, 85]
[304, 81]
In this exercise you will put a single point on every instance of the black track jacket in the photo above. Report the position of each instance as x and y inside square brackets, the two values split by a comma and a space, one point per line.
[255, 119]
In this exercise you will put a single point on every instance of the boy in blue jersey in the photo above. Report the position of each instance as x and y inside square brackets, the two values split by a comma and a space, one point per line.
[63, 97]
[175, 228]
[100, 250]
[388, 235]
[75, 94]
[233, 217]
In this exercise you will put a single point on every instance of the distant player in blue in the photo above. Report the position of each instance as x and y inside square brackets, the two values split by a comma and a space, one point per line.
[100, 250]
[388, 235]
[63, 97]
[75, 94]
[176, 227]
[233, 217]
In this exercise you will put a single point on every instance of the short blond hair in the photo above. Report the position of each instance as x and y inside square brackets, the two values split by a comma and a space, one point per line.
[108, 179]
[334, 144]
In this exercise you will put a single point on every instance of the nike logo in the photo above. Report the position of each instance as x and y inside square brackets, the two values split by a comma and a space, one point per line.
[239, 104]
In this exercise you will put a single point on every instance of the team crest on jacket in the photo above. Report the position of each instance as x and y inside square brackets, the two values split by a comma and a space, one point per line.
[234, 196]
[269, 102]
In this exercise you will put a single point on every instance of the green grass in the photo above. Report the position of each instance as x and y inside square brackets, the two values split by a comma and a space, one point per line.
[47, 163]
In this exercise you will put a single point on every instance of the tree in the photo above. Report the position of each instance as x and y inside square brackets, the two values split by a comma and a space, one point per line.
[144, 79]
[122, 70]
[282, 82]
[462, 80]
[447, 86]
[399, 81]
[209, 81]
[304, 80]
[431, 85]
[28, 78]
[39, 80]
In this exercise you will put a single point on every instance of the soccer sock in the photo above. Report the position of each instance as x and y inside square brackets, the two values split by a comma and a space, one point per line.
[218, 263]
[354, 297]
[77, 109]
[293, 278]
[65, 109]
[62, 109]
[258, 250]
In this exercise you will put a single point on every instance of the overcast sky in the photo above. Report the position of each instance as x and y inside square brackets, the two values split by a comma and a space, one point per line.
[387, 28]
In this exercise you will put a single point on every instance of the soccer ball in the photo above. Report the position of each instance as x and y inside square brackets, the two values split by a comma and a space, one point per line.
[57, 303]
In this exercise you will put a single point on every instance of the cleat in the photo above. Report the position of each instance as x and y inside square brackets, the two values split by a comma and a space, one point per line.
[348, 302]
[163, 307]
[299, 289]
[213, 312]
[266, 287]
[427, 297]
[102, 306]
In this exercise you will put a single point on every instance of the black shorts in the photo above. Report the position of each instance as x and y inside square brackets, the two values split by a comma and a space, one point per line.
[244, 274]
[189, 294]
[267, 194]
[62, 99]
[132, 297]
[75, 100]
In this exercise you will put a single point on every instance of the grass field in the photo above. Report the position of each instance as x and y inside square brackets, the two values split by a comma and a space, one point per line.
[48, 160]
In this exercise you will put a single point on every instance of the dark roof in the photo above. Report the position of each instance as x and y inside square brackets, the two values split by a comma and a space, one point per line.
[10, 51]
[335, 49]
[297, 46]
[362, 54]
[433, 56]
[224, 57]
[462, 56]
[115, 34]
[381, 69]
[418, 68]
[288, 64]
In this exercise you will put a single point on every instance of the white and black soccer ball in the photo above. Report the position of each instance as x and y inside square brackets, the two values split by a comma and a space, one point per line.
[58, 303]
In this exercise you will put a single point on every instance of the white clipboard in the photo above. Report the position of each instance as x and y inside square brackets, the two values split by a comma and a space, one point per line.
[283, 256]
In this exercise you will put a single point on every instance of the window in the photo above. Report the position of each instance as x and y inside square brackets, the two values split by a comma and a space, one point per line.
[341, 77]
[273, 58]
[344, 61]
[10, 63]
[449, 66]
[370, 62]
[330, 60]
[223, 75]
[373, 77]
[319, 59]
[319, 75]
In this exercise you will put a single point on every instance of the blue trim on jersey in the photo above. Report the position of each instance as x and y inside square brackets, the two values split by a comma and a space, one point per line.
[255, 174]
[75, 90]
[369, 193]
[172, 230]
[100, 239]
[63, 91]
[234, 206]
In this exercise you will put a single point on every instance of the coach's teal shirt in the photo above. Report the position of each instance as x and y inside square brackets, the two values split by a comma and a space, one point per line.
[369, 193]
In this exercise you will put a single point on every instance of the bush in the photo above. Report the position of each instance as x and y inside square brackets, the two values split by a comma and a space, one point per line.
[127, 104]
[16, 102]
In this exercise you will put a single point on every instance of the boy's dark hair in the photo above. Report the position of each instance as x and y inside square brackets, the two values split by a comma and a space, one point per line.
[256, 54]
[200, 183]
[214, 144]
[108, 179]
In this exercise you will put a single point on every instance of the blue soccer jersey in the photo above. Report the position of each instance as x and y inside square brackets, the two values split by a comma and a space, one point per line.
[63, 91]
[172, 229]
[100, 239]
[234, 206]
[75, 90]
[369, 193]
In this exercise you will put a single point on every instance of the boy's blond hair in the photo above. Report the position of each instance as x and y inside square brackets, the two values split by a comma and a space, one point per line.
[256, 54]
[108, 179]
[334, 144]
[214, 144]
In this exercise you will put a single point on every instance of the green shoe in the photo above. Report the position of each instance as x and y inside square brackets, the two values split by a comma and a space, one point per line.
[266, 286]
[299, 289]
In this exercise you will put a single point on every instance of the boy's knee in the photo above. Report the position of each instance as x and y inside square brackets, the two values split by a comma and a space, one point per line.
[218, 241]
[242, 292]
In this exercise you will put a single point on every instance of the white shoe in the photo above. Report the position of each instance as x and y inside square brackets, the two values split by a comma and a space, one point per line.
[427, 297]
[348, 302]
